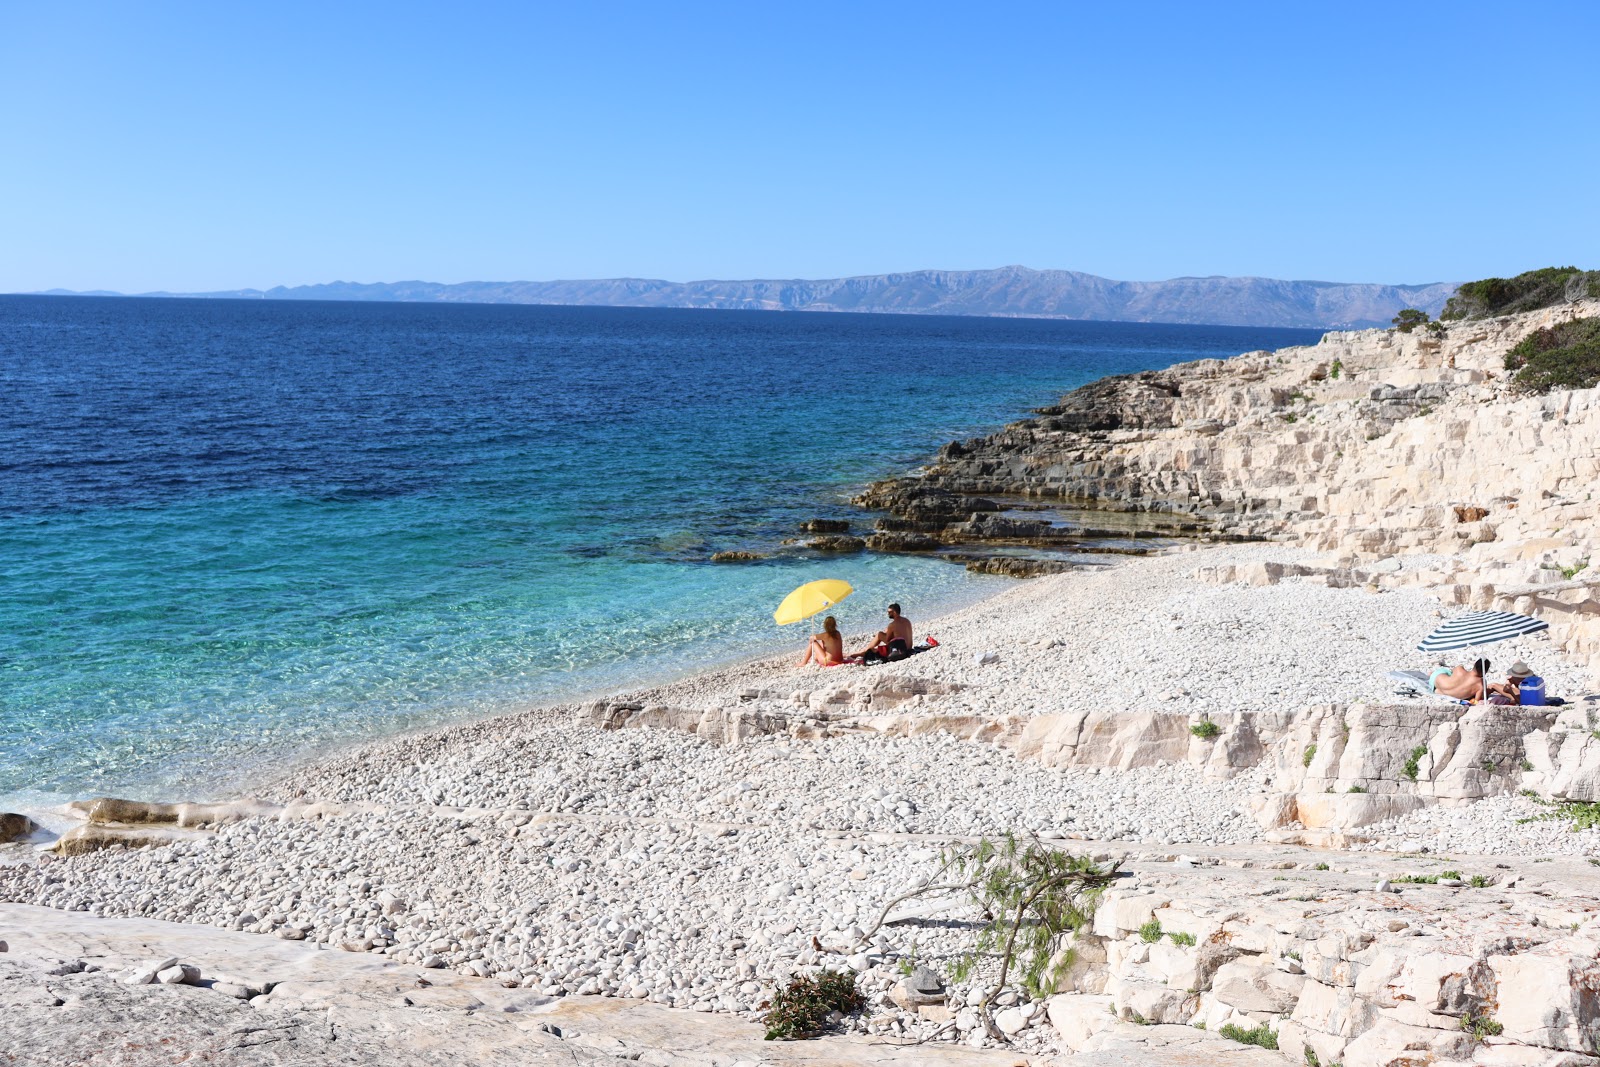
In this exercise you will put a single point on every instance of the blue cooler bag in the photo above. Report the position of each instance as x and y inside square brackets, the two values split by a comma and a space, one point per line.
[1530, 694]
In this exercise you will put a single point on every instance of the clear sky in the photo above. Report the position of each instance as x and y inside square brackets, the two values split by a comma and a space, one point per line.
[214, 145]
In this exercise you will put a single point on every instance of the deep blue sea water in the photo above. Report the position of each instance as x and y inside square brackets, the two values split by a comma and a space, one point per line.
[233, 531]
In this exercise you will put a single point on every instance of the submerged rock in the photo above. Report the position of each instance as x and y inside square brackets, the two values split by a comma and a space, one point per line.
[837, 544]
[888, 541]
[735, 557]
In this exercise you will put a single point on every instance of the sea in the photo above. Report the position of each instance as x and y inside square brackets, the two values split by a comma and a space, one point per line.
[236, 533]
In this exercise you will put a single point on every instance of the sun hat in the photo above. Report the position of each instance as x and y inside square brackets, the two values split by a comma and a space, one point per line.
[1519, 669]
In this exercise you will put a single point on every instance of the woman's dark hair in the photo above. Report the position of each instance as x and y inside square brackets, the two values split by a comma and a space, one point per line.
[1480, 665]
[829, 626]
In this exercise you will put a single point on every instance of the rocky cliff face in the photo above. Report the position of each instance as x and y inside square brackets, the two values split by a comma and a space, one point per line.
[1365, 447]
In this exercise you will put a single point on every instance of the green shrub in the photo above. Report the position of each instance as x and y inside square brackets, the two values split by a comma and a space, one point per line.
[1482, 1026]
[1180, 938]
[1151, 931]
[1261, 1036]
[1557, 357]
[1310, 754]
[1414, 762]
[1356, 789]
[1526, 292]
[1032, 897]
[802, 1009]
[1206, 730]
[1478, 881]
[1409, 319]
[1585, 814]
[1337, 369]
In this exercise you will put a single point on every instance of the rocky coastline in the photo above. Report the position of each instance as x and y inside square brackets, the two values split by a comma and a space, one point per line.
[1304, 864]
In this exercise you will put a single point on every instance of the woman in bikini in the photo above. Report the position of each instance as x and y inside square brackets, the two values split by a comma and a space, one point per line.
[825, 649]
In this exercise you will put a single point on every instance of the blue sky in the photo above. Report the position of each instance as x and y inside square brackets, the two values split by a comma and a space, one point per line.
[212, 146]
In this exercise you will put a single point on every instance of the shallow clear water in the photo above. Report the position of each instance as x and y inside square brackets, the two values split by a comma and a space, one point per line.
[232, 530]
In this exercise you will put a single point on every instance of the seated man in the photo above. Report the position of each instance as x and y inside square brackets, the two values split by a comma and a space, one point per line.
[894, 640]
[1462, 683]
[1511, 688]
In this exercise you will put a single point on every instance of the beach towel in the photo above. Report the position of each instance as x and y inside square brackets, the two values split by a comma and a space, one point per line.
[873, 658]
[1415, 684]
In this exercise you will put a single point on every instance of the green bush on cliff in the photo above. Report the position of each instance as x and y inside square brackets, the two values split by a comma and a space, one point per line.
[1409, 319]
[1558, 357]
[1526, 292]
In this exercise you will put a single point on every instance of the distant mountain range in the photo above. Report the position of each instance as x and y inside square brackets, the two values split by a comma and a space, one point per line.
[1007, 291]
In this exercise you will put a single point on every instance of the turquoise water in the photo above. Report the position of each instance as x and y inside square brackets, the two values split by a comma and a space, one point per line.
[234, 532]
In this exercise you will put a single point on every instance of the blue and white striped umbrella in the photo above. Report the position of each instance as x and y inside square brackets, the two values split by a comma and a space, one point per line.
[1480, 628]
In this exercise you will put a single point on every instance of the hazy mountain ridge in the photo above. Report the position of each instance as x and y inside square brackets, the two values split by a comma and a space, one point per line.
[1007, 291]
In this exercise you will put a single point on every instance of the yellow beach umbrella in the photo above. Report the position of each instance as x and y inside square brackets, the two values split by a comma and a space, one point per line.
[810, 599]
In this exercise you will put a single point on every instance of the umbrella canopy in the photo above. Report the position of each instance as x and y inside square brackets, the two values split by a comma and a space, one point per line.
[810, 599]
[1480, 628]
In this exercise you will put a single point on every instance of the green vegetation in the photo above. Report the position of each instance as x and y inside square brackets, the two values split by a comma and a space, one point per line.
[1261, 1036]
[1569, 572]
[1526, 292]
[802, 1008]
[1557, 357]
[1310, 754]
[1032, 897]
[1414, 762]
[1585, 814]
[1336, 370]
[1151, 931]
[1181, 938]
[1356, 789]
[1206, 730]
[1478, 881]
[1320, 867]
[1409, 319]
[1416, 879]
[1482, 1026]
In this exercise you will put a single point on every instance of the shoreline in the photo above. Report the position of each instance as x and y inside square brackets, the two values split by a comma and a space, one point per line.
[1192, 720]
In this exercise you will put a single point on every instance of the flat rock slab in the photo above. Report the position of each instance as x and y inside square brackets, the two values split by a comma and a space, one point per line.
[331, 1007]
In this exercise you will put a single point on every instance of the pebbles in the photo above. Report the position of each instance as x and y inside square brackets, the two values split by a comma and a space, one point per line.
[1503, 826]
[541, 852]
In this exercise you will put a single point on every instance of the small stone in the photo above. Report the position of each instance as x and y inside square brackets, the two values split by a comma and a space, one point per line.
[180, 974]
[146, 972]
[1013, 1020]
[233, 989]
